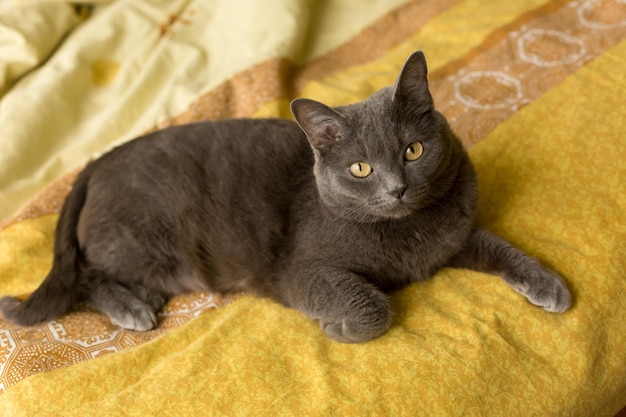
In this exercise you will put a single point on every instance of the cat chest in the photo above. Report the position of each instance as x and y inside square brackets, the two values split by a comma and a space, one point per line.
[401, 262]
[390, 263]
[395, 259]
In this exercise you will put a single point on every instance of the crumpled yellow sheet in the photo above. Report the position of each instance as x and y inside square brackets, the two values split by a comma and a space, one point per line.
[463, 343]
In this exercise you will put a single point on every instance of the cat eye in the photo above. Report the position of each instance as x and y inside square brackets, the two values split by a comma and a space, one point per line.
[414, 151]
[360, 169]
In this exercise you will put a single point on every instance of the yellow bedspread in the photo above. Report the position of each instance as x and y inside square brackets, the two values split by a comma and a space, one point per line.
[536, 90]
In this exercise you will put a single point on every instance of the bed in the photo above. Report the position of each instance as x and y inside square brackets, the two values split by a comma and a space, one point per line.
[535, 89]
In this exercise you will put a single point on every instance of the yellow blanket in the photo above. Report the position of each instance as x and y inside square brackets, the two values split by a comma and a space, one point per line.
[538, 87]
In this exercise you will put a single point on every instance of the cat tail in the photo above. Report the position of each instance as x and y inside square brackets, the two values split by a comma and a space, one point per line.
[60, 290]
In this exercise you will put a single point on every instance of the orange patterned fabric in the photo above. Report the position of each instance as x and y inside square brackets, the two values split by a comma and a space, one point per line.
[84, 335]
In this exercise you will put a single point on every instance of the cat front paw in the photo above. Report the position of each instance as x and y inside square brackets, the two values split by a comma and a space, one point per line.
[543, 288]
[341, 332]
[351, 331]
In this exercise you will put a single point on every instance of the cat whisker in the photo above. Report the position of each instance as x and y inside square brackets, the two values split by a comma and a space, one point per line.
[350, 215]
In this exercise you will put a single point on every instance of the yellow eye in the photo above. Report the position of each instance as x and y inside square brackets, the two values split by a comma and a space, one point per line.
[360, 169]
[414, 151]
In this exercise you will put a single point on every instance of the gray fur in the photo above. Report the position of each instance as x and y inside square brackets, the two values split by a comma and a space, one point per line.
[269, 207]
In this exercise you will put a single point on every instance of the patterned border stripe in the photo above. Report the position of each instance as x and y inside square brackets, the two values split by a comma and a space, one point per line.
[521, 62]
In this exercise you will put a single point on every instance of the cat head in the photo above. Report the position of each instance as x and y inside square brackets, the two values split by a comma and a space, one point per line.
[384, 157]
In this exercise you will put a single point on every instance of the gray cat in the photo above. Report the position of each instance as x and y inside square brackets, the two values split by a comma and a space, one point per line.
[324, 217]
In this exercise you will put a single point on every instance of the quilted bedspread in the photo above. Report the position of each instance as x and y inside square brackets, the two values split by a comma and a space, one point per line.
[536, 89]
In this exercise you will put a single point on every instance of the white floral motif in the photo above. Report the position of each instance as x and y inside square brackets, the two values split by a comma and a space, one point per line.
[566, 49]
[497, 78]
[588, 18]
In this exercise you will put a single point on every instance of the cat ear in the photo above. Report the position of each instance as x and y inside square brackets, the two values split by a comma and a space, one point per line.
[322, 125]
[411, 89]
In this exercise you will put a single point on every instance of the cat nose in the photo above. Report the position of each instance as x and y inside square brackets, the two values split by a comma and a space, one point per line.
[398, 192]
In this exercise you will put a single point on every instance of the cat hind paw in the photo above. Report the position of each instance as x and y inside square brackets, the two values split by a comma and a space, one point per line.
[138, 320]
